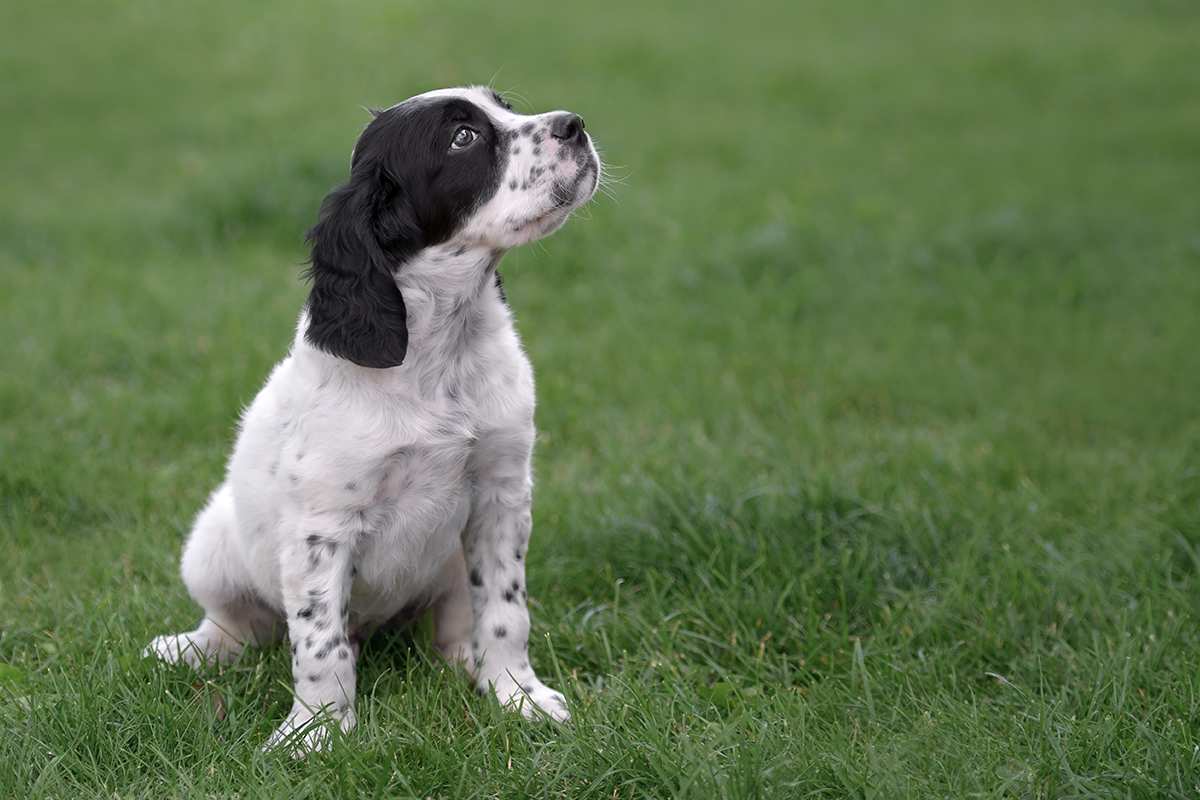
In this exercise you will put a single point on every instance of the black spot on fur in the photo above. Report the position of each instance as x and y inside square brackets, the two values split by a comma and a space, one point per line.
[509, 596]
[518, 555]
[500, 288]
[343, 653]
[314, 677]
[500, 631]
[537, 151]
[305, 613]
[527, 128]
[351, 487]
[312, 540]
[512, 184]
[476, 580]
[538, 138]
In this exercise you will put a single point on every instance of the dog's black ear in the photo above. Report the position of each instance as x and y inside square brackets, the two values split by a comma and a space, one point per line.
[355, 310]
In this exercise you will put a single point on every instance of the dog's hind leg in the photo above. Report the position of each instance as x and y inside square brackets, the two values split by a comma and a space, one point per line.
[453, 618]
[216, 577]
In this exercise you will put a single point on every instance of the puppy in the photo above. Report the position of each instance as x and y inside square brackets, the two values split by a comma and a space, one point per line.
[384, 468]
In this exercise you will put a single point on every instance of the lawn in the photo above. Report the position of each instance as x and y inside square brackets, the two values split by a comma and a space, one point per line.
[869, 407]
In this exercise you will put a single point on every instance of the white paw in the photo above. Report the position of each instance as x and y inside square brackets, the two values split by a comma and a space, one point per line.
[534, 699]
[305, 732]
[186, 648]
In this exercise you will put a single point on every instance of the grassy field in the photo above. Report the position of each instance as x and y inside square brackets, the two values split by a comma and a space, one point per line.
[869, 458]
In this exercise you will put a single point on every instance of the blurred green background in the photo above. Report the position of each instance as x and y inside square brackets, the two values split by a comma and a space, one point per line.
[869, 455]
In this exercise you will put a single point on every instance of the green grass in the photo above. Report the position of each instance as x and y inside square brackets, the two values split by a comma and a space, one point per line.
[869, 459]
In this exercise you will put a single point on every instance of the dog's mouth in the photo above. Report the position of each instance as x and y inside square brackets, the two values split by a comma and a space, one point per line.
[565, 195]
[572, 193]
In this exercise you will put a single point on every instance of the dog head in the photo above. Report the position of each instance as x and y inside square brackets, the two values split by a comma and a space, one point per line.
[453, 165]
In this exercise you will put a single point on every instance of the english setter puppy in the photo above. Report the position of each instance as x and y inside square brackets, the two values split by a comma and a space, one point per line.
[384, 468]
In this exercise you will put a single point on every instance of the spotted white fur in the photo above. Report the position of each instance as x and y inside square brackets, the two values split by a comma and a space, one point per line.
[355, 497]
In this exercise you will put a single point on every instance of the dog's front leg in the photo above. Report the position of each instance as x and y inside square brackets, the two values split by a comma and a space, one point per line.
[494, 544]
[316, 568]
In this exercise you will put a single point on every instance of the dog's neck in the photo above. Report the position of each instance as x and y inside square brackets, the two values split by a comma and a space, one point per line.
[451, 298]
[452, 305]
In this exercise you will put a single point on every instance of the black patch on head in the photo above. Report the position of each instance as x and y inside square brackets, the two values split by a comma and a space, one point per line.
[407, 190]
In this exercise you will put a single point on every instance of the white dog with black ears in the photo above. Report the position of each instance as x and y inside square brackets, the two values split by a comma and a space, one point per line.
[384, 469]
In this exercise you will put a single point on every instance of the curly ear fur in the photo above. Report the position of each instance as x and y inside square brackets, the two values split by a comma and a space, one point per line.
[365, 231]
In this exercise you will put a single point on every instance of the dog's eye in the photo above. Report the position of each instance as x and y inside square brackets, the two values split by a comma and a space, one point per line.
[463, 137]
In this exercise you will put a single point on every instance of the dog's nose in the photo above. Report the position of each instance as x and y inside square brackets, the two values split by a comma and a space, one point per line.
[567, 127]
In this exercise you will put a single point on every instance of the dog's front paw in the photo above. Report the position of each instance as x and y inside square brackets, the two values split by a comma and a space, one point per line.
[305, 731]
[534, 699]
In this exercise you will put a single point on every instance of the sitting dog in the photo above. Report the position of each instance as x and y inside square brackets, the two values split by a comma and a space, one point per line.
[384, 469]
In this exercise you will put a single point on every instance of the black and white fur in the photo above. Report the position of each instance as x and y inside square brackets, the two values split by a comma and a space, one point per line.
[384, 468]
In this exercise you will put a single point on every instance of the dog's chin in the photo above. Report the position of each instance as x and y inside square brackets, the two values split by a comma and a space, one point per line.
[565, 198]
